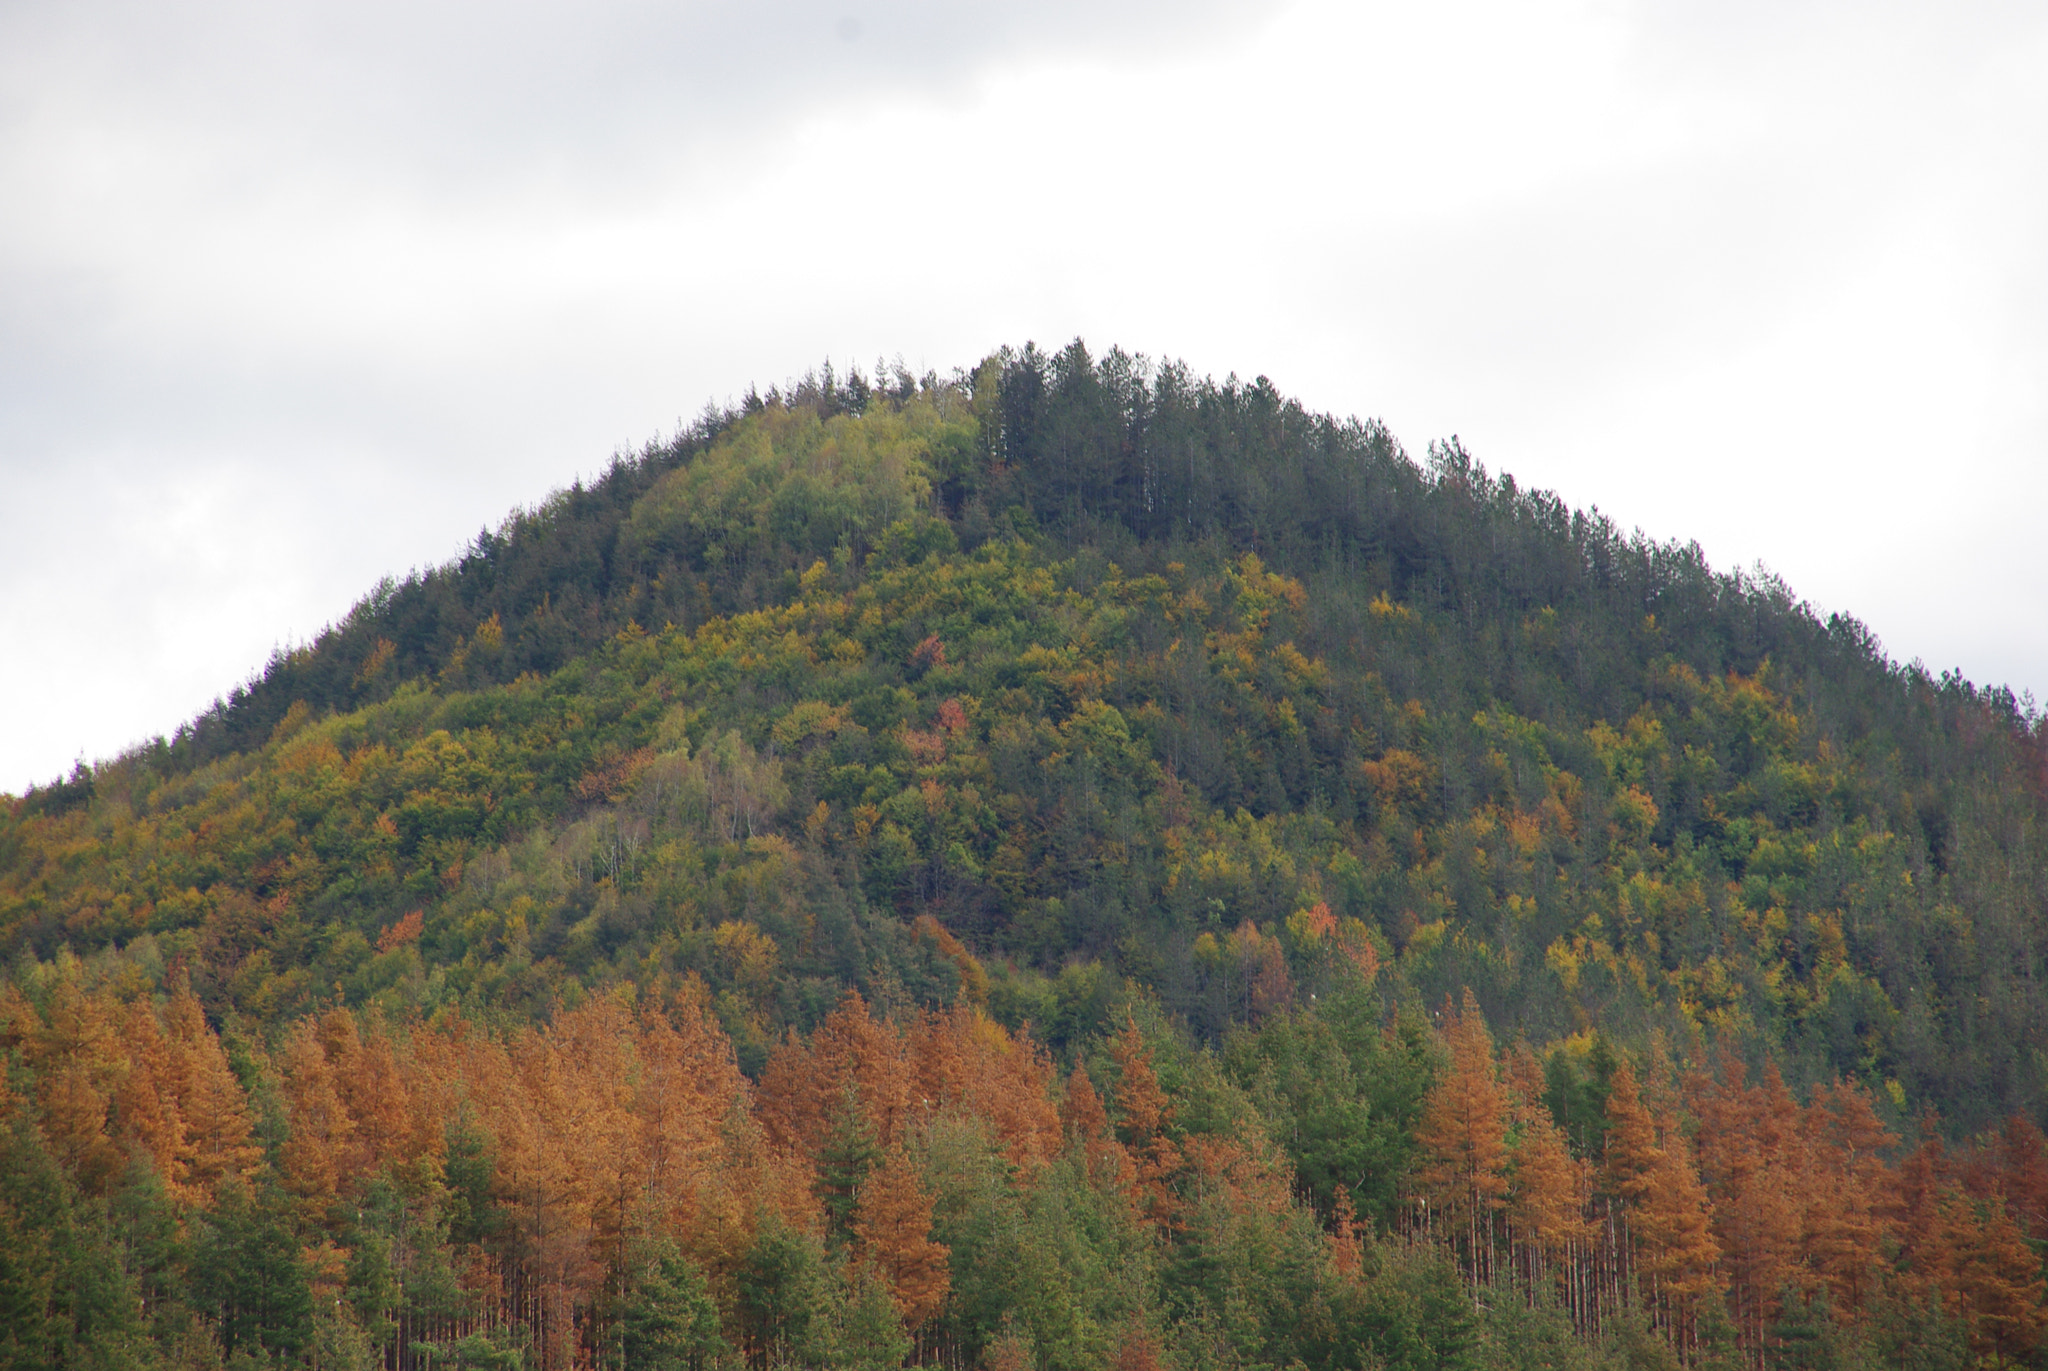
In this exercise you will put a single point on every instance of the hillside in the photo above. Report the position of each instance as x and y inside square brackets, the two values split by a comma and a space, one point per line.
[1071, 720]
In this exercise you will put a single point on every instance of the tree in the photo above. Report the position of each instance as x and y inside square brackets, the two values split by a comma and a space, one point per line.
[847, 1156]
[1667, 1247]
[2023, 1167]
[247, 1272]
[780, 1288]
[670, 1319]
[1851, 1188]
[1087, 1126]
[1463, 1136]
[867, 1334]
[1752, 1158]
[892, 1230]
[1144, 1112]
[66, 1297]
[1546, 1185]
[2000, 1276]
[320, 1144]
[219, 1145]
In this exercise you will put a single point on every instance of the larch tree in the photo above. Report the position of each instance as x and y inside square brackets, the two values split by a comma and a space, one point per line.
[805, 1081]
[1662, 1241]
[147, 1110]
[892, 1229]
[1463, 1137]
[1546, 1195]
[1750, 1156]
[1844, 1225]
[319, 1145]
[1086, 1124]
[2000, 1279]
[1144, 1113]
[219, 1136]
[2023, 1167]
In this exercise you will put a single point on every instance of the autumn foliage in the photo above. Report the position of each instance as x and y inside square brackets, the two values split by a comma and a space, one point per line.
[611, 1178]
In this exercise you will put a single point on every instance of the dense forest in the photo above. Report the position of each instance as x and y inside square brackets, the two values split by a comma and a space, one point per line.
[1069, 865]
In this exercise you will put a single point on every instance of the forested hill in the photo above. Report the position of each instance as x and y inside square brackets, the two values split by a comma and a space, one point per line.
[1104, 717]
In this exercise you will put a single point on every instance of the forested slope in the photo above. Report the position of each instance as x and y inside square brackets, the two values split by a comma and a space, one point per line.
[1459, 861]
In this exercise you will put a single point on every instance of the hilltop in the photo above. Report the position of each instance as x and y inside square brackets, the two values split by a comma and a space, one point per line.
[1105, 717]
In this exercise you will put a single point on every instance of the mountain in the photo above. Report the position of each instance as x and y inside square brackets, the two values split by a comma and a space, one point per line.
[871, 758]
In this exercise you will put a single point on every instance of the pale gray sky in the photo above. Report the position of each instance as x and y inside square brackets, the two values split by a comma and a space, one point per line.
[293, 296]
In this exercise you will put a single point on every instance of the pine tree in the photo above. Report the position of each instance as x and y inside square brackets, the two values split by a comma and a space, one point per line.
[780, 1292]
[66, 1297]
[670, 1320]
[247, 1272]
[847, 1156]
[868, 1334]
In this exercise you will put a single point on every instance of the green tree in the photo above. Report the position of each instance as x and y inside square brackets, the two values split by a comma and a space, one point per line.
[848, 1155]
[781, 1285]
[247, 1274]
[670, 1320]
[66, 1296]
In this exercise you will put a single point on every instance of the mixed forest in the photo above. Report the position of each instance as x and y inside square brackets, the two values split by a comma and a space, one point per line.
[1066, 866]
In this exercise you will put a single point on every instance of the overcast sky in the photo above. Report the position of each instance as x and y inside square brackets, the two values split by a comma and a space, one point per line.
[293, 296]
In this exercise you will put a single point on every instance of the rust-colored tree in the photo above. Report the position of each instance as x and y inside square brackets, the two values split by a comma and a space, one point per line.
[805, 1081]
[1665, 1250]
[892, 1230]
[1143, 1115]
[2023, 1175]
[1345, 1257]
[2002, 1289]
[1849, 1186]
[219, 1135]
[1463, 1138]
[1086, 1124]
[1546, 1195]
[1750, 1150]
[962, 1059]
[319, 1146]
